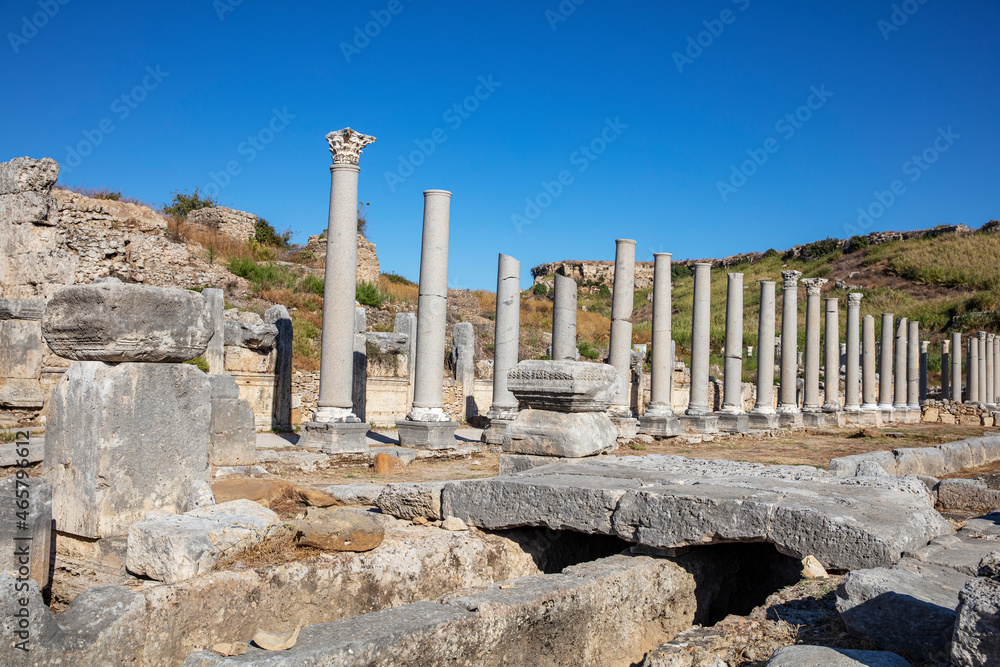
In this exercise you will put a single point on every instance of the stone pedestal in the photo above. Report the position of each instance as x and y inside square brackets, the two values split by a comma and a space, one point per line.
[659, 424]
[699, 424]
[499, 421]
[823, 419]
[790, 420]
[426, 435]
[758, 421]
[863, 418]
[628, 427]
[733, 422]
[335, 437]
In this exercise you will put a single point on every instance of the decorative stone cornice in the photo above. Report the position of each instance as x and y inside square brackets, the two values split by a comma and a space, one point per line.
[854, 300]
[791, 279]
[813, 285]
[346, 145]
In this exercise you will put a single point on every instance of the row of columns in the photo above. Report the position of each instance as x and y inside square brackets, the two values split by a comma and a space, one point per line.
[982, 383]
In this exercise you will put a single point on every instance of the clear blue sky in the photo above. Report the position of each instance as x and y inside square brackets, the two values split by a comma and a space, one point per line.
[557, 85]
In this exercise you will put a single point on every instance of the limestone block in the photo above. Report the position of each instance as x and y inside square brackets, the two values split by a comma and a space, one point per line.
[122, 440]
[23, 174]
[823, 656]
[224, 386]
[28, 529]
[931, 415]
[976, 640]
[355, 494]
[339, 530]
[564, 386]
[115, 322]
[570, 434]
[24, 394]
[234, 436]
[20, 349]
[256, 336]
[21, 309]
[407, 501]
[967, 494]
[246, 360]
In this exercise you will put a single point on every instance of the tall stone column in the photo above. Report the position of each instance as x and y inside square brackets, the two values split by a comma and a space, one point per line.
[913, 369]
[869, 395]
[788, 405]
[981, 372]
[885, 368]
[811, 402]
[763, 415]
[831, 377]
[215, 353]
[956, 367]
[335, 405]
[972, 371]
[990, 369]
[899, 394]
[852, 362]
[924, 345]
[996, 368]
[564, 320]
[698, 417]
[945, 370]
[427, 426]
[621, 324]
[659, 418]
[507, 325]
[732, 417]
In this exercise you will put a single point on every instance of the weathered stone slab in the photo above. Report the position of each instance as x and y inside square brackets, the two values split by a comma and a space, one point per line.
[20, 349]
[116, 322]
[569, 434]
[24, 394]
[172, 548]
[671, 502]
[122, 440]
[822, 656]
[355, 494]
[234, 437]
[23, 174]
[967, 494]
[408, 501]
[976, 640]
[339, 530]
[22, 309]
[564, 386]
[962, 553]
[252, 335]
[26, 528]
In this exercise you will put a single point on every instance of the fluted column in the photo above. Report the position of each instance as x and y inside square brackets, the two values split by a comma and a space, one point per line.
[811, 399]
[564, 319]
[789, 342]
[913, 367]
[972, 371]
[956, 367]
[852, 357]
[733, 379]
[831, 377]
[700, 340]
[885, 364]
[869, 396]
[945, 370]
[765, 350]
[990, 369]
[661, 401]
[621, 324]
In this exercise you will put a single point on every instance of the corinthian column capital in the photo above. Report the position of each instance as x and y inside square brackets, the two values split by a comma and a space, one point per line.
[346, 145]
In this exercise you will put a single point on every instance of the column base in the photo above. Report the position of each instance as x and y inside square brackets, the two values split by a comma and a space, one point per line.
[863, 418]
[762, 422]
[628, 427]
[733, 422]
[907, 416]
[790, 419]
[335, 437]
[493, 434]
[427, 435]
[699, 424]
[823, 419]
[659, 426]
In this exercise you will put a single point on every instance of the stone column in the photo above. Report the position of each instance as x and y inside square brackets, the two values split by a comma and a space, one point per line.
[852, 362]
[564, 320]
[913, 367]
[335, 426]
[996, 368]
[427, 426]
[788, 403]
[811, 401]
[899, 394]
[215, 353]
[990, 369]
[659, 418]
[972, 371]
[733, 417]
[945, 370]
[621, 325]
[924, 345]
[885, 367]
[505, 347]
[763, 415]
[698, 418]
[406, 324]
[359, 389]
[463, 362]
[281, 413]
[981, 372]
[831, 376]
[869, 396]
[956, 367]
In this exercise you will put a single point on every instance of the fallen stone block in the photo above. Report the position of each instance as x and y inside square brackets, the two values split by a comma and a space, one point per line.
[564, 386]
[267, 491]
[339, 530]
[408, 501]
[962, 552]
[26, 527]
[171, 548]
[404, 454]
[822, 656]
[967, 494]
[847, 466]
[115, 322]
[354, 494]
[122, 440]
[976, 640]
[569, 434]
[253, 335]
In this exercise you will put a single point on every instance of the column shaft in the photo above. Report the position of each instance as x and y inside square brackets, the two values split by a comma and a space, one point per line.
[923, 370]
[852, 359]
[700, 340]
[789, 342]
[990, 370]
[811, 400]
[733, 380]
[506, 331]
[663, 362]
[869, 395]
[972, 371]
[981, 373]
[945, 370]
[564, 319]
[899, 395]
[621, 324]
[765, 350]
[831, 376]
[913, 367]
[956, 367]
[885, 364]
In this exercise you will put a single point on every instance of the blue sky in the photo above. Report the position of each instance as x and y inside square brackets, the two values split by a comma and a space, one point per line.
[665, 122]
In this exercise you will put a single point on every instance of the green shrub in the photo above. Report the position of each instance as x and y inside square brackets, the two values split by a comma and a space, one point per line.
[368, 294]
[200, 362]
[184, 202]
[398, 279]
[604, 292]
[856, 243]
[769, 253]
[820, 249]
[313, 284]
[541, 289]
[587, 350]
[263, 276]
[264, 232]
[678, 271]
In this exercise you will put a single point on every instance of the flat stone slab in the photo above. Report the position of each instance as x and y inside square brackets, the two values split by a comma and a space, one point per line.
[564, 386]
[354, 494]
[822, 656]
[410, 500]
[672, 502]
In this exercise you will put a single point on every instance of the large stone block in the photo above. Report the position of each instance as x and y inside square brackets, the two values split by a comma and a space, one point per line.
[23, 174]
[24, 394]
[976, 639]
[21, 309]
[29, 208]
[26, 526]
[234, 437]
[823, 656]
[564, 386]
[253, 335]
[20, 349]
[548, 433]
[116, 322]
[122, 440]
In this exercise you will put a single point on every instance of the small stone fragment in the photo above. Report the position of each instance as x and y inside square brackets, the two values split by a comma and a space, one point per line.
[385, 464]
[813, 569]
[276, 641]
[227, 649]
[454, 524]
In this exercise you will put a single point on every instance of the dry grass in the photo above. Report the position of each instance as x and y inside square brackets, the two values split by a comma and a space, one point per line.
[398, 292]
[968, 261]
[487, 302]
[536, 313]
[225, 247]
[276, 551]
[593, 328]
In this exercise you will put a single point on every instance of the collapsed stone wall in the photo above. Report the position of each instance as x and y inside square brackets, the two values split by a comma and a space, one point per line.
[368, 267]
[964, 414]
[238, 225]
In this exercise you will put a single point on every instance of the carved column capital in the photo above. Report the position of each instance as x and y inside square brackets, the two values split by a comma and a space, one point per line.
[854, 300]
[346, 145]
[791, 279]
[813, 285]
